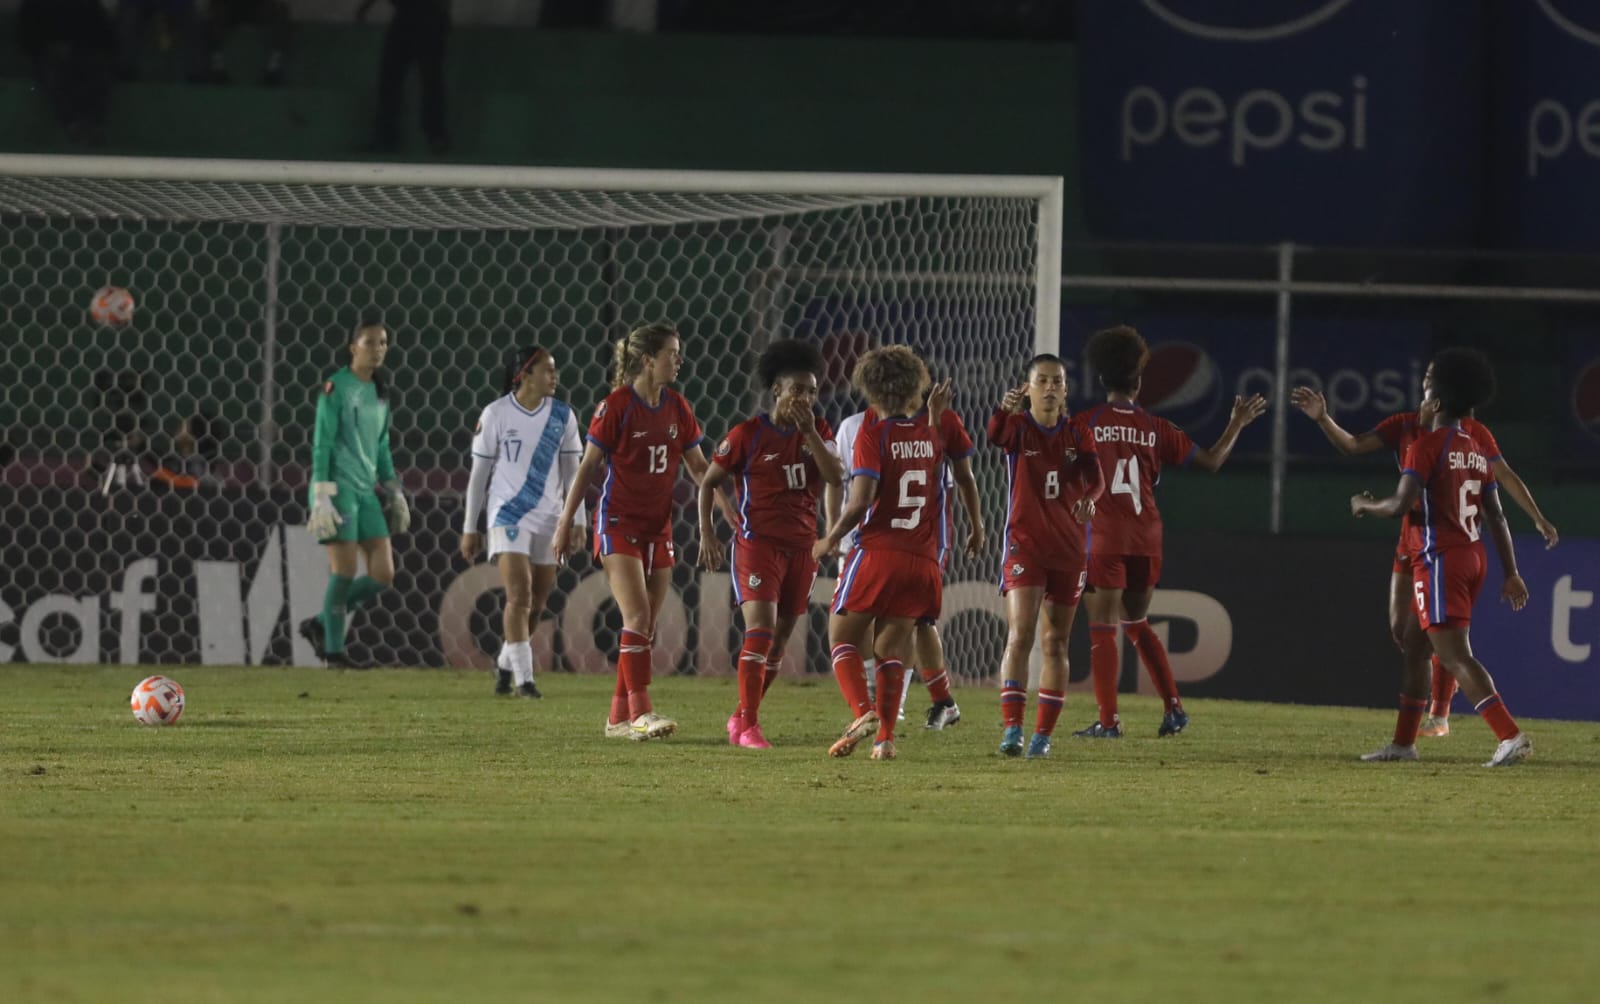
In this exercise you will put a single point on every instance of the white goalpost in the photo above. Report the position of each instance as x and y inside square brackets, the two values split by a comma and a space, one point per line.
[248, 276]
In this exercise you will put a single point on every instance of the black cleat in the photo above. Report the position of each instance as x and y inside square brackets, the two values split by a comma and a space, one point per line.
[337, 660]
[1098, 731]
[529, 689]
[311, 630]
[502, 682]
[1172, 723]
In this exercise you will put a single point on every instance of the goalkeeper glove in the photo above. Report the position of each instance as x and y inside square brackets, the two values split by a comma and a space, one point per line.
[325, 519]
[396, 509]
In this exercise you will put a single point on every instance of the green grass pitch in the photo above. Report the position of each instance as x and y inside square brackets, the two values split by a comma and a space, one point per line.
[305, 835]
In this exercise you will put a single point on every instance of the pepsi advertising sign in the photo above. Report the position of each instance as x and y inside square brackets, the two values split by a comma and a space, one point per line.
[1547, 124]
[1582, 427]
[1545, 658]
[1334, 121]
[1367, 369]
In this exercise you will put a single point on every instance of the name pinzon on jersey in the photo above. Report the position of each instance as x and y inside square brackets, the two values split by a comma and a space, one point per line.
[914, 450]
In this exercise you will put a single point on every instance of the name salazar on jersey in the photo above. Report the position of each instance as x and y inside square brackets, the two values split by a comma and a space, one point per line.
[914, 450]
[1468, 462]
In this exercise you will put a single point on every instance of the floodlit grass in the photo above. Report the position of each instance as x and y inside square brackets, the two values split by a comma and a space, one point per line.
[403, 835]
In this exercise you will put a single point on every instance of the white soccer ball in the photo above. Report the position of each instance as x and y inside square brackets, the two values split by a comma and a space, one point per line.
[111, 306]
[157, 701]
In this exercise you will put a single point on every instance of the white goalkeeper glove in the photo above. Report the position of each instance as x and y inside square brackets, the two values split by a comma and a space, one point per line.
[325, 519]
[398, 510]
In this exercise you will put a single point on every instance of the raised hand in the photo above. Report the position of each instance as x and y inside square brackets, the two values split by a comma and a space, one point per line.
[1015, 398]
[1310, 402]
[939, 400]
[1248, 409]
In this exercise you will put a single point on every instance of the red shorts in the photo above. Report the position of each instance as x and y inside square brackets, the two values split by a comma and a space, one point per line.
[1134, 572]
[1402, 562]
[655, 554]
[1061, 587]
[890, 584]
[766, 574]
[1446, 584]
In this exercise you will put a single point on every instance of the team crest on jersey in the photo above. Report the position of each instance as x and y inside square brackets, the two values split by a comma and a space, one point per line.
[754, 581]
[632, 540]
[724, 448]
[511, 533]
[1070, 454]
[672, 431]
[600, 412]
[1017, 569]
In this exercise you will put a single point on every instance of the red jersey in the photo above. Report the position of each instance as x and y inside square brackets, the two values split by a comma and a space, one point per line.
[906, 457]
[1398, 432]
[643, 446]
[1133, 445]
[957, 444]
[1452, 463]
[1047, 469]
[776, 481]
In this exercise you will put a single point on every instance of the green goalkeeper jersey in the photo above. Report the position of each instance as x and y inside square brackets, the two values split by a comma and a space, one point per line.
[351, 442]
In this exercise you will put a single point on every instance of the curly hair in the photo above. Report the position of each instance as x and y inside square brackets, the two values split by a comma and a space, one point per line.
[1463, 379]
[645, 340]
[893, 376]
[788, 356]
[1117, 355]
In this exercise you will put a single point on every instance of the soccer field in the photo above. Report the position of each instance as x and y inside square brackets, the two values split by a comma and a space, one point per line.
[403, 835]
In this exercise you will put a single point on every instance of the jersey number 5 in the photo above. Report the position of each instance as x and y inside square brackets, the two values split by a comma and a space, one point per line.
[1125, 481]
[910, 501]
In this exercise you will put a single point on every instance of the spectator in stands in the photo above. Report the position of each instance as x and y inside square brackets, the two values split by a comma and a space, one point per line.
[178, 32]
[226, 15]
[73, 50]
[418, 33]
[194, 450]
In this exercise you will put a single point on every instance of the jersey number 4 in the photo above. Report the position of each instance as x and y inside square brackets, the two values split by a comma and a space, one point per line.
[1125, 481]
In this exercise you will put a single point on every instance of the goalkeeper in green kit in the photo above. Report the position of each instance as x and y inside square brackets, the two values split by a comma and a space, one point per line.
[350, 459]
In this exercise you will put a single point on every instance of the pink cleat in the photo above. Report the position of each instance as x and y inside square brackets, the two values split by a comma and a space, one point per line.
[735, 728]
[752, 739]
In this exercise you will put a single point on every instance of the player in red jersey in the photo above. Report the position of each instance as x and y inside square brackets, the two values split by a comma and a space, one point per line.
[892, 579]
[780, 463]
[1396, 434]
[1053, 478]
[1125, 538]
[639, 433]
[1447, 476]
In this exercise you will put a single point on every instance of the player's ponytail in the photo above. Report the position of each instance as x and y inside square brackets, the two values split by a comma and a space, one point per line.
[630, 352]
[520, 364]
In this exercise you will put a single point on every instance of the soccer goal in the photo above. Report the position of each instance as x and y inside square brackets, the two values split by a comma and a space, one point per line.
[158, 457]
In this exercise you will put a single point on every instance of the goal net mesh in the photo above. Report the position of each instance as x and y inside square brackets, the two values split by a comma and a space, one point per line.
[159, 466]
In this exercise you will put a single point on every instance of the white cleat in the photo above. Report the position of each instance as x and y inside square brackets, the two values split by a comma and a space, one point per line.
[1511, 751]
[942, 716]
[652, 726]
[620, 730]
[1390, 753]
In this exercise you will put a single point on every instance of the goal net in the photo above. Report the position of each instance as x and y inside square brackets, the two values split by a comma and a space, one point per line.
[153, 472]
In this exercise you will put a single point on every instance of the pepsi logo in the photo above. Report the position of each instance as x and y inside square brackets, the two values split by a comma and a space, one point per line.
[1586, 398]
[1560, 14]
[1181, 383]
[1223, 21]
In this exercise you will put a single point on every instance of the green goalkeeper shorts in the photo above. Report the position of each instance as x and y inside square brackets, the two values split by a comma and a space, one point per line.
[363, 516]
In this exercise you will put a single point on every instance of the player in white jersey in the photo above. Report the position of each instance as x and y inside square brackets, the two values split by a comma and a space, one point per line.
[525, 453]
[927, 647]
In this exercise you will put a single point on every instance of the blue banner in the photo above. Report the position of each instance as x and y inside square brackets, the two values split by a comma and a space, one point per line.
[1546, 124]
[1545, 658]
[1367, 369]
[1340, 121]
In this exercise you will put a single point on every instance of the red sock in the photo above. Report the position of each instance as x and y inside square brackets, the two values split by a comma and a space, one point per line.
[1050, 704]
[1154, 656]
[1493, 710]
[1105, 665]
[1013, 702]
[938, 684]
[891, 684]
[1409, 720]
[1444, 690]
[619, 699]
[634, 663]
[772, 672]
[851, 673]
[752, 672]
